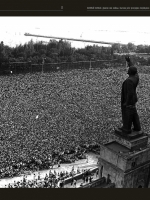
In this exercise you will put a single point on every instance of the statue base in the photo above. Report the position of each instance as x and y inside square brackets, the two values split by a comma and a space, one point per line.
[126, 158]
[133, 141]
[132, 135]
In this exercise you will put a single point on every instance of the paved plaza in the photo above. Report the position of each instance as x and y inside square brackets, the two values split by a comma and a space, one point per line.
[82, 164]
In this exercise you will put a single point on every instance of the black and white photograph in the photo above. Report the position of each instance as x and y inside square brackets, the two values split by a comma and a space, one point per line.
[74, 102]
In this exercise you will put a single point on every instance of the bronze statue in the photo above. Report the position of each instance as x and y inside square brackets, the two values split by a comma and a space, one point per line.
[129, 100]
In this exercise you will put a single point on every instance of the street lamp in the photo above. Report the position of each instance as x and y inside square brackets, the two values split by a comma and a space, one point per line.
[57, 58]
[30, 65]
[91, 62]
[43, 63]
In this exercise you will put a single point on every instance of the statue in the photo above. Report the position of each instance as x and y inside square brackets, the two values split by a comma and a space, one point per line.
[129, 100]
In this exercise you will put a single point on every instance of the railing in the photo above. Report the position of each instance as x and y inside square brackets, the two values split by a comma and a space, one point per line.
[99, 182]
[79, 176]
[110, 185]
[26, 67]
[48, 67]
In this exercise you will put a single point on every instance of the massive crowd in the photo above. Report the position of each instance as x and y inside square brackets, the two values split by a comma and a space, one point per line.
[51, 118]
[54, 179]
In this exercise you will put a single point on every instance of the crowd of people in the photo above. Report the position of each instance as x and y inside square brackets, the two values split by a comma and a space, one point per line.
[54, 179]
[54, 118]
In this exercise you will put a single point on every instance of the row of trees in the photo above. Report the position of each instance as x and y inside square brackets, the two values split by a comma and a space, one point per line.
[53, 51]
[61, 51]
[130, 47]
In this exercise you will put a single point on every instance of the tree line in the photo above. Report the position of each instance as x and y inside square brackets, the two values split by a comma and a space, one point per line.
[61, 51]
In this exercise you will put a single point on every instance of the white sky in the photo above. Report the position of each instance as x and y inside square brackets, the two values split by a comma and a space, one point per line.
[108, 29]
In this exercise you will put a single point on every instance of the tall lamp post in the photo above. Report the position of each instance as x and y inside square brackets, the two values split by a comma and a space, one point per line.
[30, 66]
[43, 62]
[57, 58]
[91, 62]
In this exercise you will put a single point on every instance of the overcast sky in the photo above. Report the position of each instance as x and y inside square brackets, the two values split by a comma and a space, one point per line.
[108, 29]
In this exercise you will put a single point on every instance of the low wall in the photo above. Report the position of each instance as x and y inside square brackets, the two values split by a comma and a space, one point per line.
[79, 176]
[95, 183]
[111, 185]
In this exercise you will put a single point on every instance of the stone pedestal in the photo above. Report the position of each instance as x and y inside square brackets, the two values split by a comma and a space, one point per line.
[126, 158]
[133, 141]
